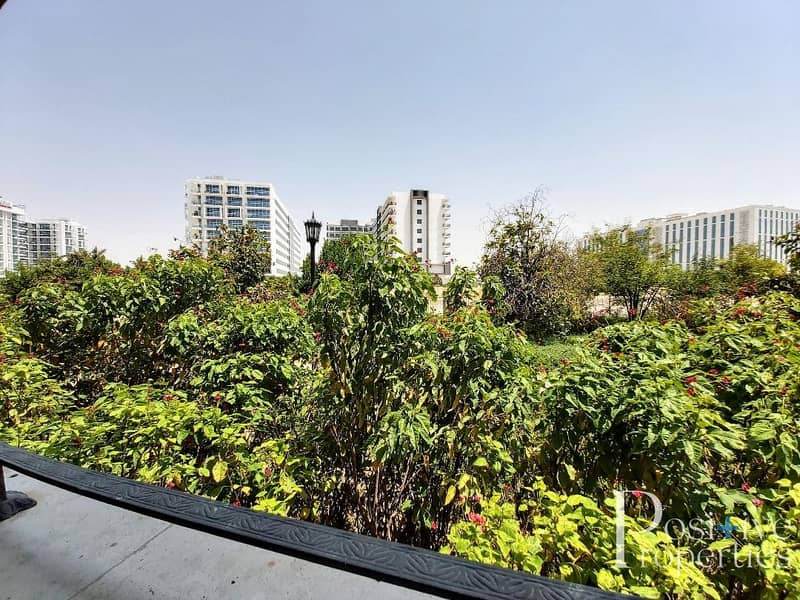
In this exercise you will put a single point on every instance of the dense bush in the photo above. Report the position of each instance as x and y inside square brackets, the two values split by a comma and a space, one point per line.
[357, 407]
[546, 286]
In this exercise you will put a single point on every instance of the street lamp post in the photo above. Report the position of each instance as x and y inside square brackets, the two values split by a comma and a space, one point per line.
[312, 237]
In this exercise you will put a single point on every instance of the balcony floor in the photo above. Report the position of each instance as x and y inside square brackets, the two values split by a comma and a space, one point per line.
[70, 547]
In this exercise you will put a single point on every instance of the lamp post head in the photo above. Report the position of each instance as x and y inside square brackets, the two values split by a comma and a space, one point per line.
[312, 230]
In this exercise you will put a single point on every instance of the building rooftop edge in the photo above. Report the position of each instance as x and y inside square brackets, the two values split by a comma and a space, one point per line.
[678, 216]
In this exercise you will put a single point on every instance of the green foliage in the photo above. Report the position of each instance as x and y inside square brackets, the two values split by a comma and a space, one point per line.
[536, 269]
[275, 287]
[572, 538]
[790, 243]
[493, 299]
[634, 270]
[357, 407]
[461, 289]
[743, 271]
[333, 255]
[557, 351]
[746, 267]
[110, 330]
[243, 254]
[70, 271]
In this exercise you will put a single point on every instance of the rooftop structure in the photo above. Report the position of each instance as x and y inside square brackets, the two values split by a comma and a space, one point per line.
[345, 227]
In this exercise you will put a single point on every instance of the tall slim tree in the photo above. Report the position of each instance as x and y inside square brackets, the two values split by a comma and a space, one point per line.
[534, 266]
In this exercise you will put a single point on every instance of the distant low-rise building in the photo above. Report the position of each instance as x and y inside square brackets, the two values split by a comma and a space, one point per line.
[693, 237]
[345, 227]
[421, 221]
[214, 202]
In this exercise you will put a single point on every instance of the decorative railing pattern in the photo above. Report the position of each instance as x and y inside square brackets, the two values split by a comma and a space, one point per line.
[414, 568]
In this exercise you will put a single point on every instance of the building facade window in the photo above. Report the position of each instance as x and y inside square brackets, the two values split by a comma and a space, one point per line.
[258, 202]
[257, 213]
[253, 190]
[212, 188]
[233, 189]
[234, 201]
[213, 212]
[216, 200]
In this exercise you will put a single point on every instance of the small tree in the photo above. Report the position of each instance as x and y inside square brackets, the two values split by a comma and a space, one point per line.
[635, 271]
[533, 265]
[745, 266]
[243, 254]
[461, 290]
[790, 243]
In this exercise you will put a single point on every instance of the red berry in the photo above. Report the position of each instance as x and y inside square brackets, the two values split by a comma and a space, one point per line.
[476, 518]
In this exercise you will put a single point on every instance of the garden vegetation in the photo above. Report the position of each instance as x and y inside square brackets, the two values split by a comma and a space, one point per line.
[355, 406]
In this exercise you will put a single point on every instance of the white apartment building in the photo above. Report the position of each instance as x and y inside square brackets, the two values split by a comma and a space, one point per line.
[421, 221]
[345, 227]
[212, 202]
[24, 242]
[13, 237]
[713, 234]
[54, 237]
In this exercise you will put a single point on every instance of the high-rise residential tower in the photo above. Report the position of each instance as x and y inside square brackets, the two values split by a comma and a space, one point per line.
[212, 202]
[13, 237]
[421, 221]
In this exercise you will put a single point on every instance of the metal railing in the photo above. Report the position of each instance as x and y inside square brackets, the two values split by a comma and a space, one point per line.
[413, 568]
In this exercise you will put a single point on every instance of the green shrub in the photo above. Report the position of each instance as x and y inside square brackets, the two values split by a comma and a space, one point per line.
[357, 407]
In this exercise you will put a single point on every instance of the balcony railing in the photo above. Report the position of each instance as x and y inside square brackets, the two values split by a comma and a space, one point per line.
[413, 568]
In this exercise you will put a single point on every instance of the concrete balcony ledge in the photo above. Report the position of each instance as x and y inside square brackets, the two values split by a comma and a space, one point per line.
[96, 535]
[70, 547]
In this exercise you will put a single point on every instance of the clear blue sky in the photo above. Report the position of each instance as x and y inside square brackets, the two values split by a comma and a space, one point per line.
[622, 110]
